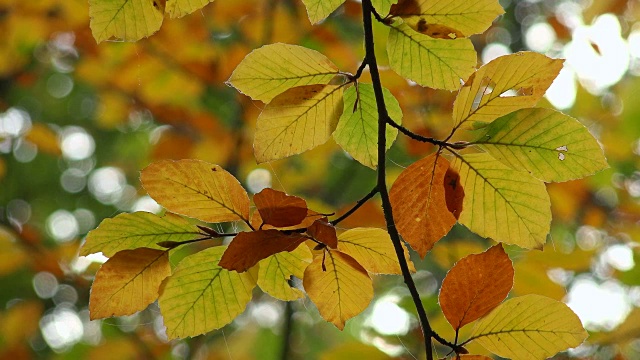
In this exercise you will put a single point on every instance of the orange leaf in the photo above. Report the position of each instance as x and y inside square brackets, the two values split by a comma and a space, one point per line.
[248, 248]
[279, 209]
[419, 200]
[475, 285]
[324, 232]
[453, 192]
[128, 282]
[310, 218]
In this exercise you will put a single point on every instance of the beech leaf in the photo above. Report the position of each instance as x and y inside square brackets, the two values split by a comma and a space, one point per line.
[180, 8]
[128, 20]
[324, 232]
[318, 10]
[383, 6]
[247, 248]
[276, 271]
[279, 209]
[372, 248]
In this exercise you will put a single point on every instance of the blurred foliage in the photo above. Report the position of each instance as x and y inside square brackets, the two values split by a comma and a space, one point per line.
[79, 120]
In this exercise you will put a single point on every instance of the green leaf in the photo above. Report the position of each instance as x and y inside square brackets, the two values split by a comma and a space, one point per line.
[529, 327]
[318, 10]
[383, 6]
[501, 203]
[550, 145]
[201, 296]
[128, 20]
[276, 270]
[272, 69]
[297, 120]
[436, 63]
[180, 8]
[140, 229]
[357, 131]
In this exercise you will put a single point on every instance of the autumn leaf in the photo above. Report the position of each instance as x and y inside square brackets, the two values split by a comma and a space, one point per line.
[475, 285]
[129, 231]
[276, 271]
[550, 145]
[324, 232]
[419, 202]
[310, 218]
[296, 121]
[201, 296]
[447, 61]
[247, 248]
[318, 10]
[372, 248]
[357, 130]
[501, 203]
[529, 327]
[279, 209]
[383, 6]
[339, 286]
[272, 69]
[128, 282]
[196, 189]
[180, 8]
[128, 20]
[505, 84]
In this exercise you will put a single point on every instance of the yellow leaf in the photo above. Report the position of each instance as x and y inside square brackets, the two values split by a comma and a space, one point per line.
[201, 296]
[339, 286]
[506, 84]
[277, 269]
[128, 20]
[501, 203]
[529, 327]
[128, 282]
[272, 69]
[318, 10]
[180, 8]
[135, 230]
[373, 249]
[297, 120]
[436, 63]
[197, 189]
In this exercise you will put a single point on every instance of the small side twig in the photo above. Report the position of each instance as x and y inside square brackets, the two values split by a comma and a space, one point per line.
[360, 202]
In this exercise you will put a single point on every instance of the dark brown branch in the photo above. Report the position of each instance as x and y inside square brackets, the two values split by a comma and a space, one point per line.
[456, 145]
[360, 202]
[287, 331]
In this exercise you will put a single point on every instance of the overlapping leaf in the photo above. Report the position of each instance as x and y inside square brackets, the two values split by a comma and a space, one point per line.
[466, 17]
[297, 120]
[276, 270]
[318, 10]
[180, 8]
[339, 286]
[383, 6]
[324, 232]
[357, 131]
[419, 201]
[128, 20]
[475, 285]
[505, 84]
[128, 282]
[436, 63]
[201, 296]
[272, 69]
[135, 230]
[549, 144]
[529, 327]
[279, 209]
[197, 189]
[372, 248]
[501, 203]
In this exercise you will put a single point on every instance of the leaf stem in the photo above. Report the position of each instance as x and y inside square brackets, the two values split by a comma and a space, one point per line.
[383, 117]
[360, 202]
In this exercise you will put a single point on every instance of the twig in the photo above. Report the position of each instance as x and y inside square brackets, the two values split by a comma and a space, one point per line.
[456, 145]
[360, 202]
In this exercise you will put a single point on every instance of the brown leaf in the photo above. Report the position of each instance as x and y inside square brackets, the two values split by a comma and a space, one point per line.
[324, 232]
[475, 285]
[248, 248]
[279, 209]
[419, 201]
[453, 192]
[310, 218]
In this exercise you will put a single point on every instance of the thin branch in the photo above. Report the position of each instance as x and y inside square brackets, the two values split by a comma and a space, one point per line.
[456, 145]
[360, 69]
[360, 202]
[383, 116]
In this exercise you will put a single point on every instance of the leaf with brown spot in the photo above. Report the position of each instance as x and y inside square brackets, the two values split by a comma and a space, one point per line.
[324, 232]
[279, 209]
[419, 201]
[453, 192]
[475, 285]
[247, 248]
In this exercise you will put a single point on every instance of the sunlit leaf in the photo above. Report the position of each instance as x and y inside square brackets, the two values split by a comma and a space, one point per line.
[201, 296]
[128, 282]
[550, 145]
[45, 138]
[180, 8]
[372, 248]
[339, 286]
[357, 131]
[128, 20]
[436, 63]
[505, 84]
[197, 189]
[501, 203]
[247, 248]
[135, 230]
[529, 327]
[318, 10]
[475, 285]
[276, 270]
[279, 209]
[324, 232]
[419, 203]
[297, 120]
[272, 69]
[468, 17]
[383, 6]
